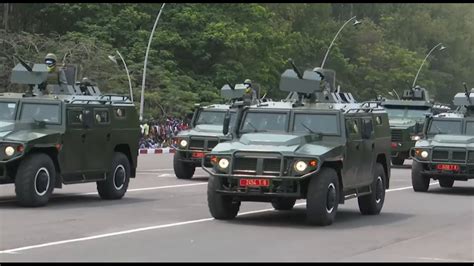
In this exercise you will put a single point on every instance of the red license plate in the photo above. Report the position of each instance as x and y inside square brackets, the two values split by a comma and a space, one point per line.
[254, 182]
[198, 154]
[448, 167]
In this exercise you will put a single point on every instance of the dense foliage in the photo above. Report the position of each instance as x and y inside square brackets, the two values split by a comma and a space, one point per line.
[197, 48]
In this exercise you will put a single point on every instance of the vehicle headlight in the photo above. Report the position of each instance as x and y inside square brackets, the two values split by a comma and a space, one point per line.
[223, 163]
[424, 154]
[300, 166]
[183, 143]
[415, 138]
[9, 151]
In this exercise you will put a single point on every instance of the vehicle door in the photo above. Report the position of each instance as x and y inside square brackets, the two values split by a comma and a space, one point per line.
[368, 149]
[72, 152]
[97, 143]
[354, 150]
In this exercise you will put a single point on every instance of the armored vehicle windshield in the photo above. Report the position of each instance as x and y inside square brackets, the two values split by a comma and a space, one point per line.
[410, 112]
[7, 111]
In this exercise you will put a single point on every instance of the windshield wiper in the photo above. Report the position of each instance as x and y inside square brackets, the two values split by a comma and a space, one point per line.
[255, 129]
[439, 130]
[308, 128]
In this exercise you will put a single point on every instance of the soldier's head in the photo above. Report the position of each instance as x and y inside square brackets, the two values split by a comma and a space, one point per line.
[50, 60]
[248, 83]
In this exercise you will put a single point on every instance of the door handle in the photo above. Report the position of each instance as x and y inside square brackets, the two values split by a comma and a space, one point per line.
[108, 136]
[373, 146]
[357, 146]
[83, 137]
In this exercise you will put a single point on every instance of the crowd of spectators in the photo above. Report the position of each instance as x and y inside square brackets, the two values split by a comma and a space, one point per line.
[160, 133]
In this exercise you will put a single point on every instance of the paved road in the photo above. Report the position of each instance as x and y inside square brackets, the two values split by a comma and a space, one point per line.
[165, 219]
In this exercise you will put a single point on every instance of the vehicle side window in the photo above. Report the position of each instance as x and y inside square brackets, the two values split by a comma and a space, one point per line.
[353, 128]
[367, 128]
[101, 116]
[74, 117]
[120, 113]
[378, 120]
[368, 123]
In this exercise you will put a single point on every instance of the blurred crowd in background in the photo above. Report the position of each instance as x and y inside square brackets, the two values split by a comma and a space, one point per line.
[160, 133]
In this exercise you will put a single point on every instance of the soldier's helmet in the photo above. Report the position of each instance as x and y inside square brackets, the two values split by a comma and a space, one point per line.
[50, 60]
[248, 81]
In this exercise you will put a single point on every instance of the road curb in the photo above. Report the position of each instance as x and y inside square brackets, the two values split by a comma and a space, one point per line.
[156, 151]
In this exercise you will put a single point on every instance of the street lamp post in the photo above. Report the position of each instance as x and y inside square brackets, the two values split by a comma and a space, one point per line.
[356, 22]
[424, 60]
[146, 60]
[126, 69]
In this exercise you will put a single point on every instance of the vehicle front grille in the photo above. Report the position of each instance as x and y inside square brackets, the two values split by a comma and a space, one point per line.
[200, 144]
[450, 155]
[211, 144]
[397, 135]
[440, 155]
[196, 144]
[257, 166]
[459, 156]
[245, 166]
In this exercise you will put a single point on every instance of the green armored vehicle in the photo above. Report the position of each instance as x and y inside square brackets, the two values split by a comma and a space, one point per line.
[407, 118]
[319, 145]
[447, 152]
[206, 131]
[73, 135]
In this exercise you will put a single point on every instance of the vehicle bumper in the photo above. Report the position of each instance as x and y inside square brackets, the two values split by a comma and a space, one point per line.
[4, 177]
[466, 170]
[187, 156]
[280, 185]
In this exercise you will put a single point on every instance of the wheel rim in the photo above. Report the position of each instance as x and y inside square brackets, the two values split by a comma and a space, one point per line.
[379, 190]
[42, 180]
[330, 198]
[119, 177]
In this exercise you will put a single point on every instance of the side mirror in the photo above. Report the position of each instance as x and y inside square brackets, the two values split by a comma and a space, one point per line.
[87, 119]
[225, 128]
[418, 127]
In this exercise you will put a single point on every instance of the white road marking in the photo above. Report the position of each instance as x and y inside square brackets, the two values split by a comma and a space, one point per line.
[164, 175]
[14, 250]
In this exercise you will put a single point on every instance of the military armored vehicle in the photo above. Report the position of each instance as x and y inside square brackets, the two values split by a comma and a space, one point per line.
[319, 145]
[66, 134]
[206, 131]
[447, 152]
[407, 117]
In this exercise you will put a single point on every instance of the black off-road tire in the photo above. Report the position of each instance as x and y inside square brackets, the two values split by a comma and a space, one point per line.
[399, 160]
[322, 197]
[419, 182]
[182, 170]
[222, 207]
[372, 204]
[446, 182]
[283, 204]
[35, 180]
[116, 182]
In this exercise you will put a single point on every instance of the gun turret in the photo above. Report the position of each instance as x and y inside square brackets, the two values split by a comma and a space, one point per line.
[464, 100]
[416, 94]
[317, 85]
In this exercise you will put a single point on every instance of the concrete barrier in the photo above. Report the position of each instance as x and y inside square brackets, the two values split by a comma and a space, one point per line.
[156, 151]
